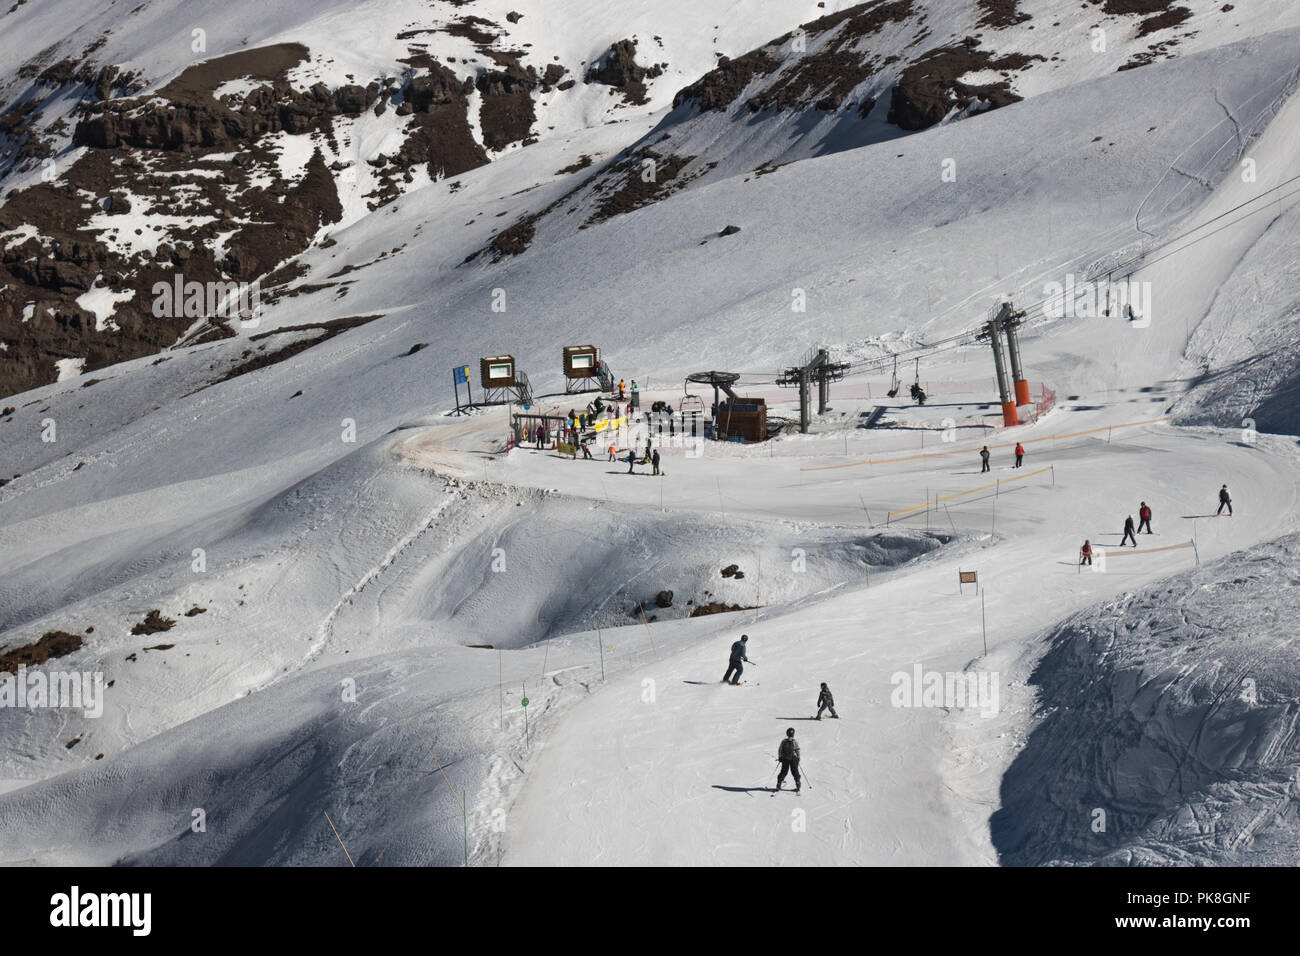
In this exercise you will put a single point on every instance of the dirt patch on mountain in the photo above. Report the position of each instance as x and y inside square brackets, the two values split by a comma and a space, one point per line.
[617, 68]
[646, 177]
[153, 623]
[506, 114]
[321, 333]
[717, 607]
[1000, 14]
[929, 89]
[720, 87]
[230, 219]
[52, 644]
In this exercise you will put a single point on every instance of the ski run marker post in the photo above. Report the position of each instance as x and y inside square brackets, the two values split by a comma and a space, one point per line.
[967, 577]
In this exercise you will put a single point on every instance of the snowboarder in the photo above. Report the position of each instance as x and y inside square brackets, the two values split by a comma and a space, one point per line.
[735, 663]
[1128, 532]
[1085, 554]
[654, 460]
[984, 457]
[1225, 501]
[1020, 454]
[586, 452]
[788, 755]
[631, 460]
[1144, 518]
[825, 702]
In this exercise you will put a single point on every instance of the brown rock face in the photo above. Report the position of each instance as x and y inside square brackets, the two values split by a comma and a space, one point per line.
[929, 89]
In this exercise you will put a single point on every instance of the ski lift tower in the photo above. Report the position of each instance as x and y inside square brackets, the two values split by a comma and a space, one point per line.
[816, 367]
[993, 332]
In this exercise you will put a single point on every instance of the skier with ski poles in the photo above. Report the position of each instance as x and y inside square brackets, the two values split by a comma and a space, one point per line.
[1128, 532]
[787, 753]
[825, 702]
[737, 660]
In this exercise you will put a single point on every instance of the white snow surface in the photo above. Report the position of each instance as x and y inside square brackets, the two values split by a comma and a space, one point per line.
[348, 541]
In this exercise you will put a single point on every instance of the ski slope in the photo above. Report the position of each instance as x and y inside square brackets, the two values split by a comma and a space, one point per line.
[332, 669]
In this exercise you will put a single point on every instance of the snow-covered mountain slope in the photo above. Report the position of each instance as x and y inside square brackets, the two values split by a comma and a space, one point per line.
[342, 542]
[1172, 711]
[214, 141]
[875, 72]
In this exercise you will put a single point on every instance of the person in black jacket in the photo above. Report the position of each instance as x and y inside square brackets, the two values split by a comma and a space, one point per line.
[825, 702]
[654, 460]
[1128, 532]
[1225, 501]
[788, 755]
[735, 662]
[984, 459]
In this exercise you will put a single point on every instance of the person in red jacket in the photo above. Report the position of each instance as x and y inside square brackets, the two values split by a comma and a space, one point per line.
[1144, 518]
[1085, 553]
[1020, 454]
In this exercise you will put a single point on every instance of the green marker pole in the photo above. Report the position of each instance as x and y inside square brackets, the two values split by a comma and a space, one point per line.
[524, 702]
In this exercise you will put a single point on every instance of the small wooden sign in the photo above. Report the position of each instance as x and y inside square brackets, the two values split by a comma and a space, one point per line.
[967, 577]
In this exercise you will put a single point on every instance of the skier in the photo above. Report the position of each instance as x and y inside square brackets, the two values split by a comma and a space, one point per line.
[622, 387]
[1085, 554]
[631, 460]
[1128, 532]
[1020, 454]
[788, 755]
[586, 452]
[735, 663]
[825, 702]
[654, 460]
[984, 457]
[612, 452]
[1144, 518]
[646, 459]
[1225, 501]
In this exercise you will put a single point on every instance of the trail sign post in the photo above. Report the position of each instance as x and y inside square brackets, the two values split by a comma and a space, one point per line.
[458, 375]
[967, 577]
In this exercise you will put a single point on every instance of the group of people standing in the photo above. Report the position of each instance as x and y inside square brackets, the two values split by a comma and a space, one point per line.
[984, 457]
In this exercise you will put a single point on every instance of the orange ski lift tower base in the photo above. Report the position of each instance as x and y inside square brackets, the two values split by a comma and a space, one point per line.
[503, 382]
[583, 370]
[993, 332]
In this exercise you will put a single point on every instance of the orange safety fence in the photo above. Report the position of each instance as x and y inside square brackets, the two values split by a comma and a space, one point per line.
[967, 449]
[1119, 550]
[972, 491]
